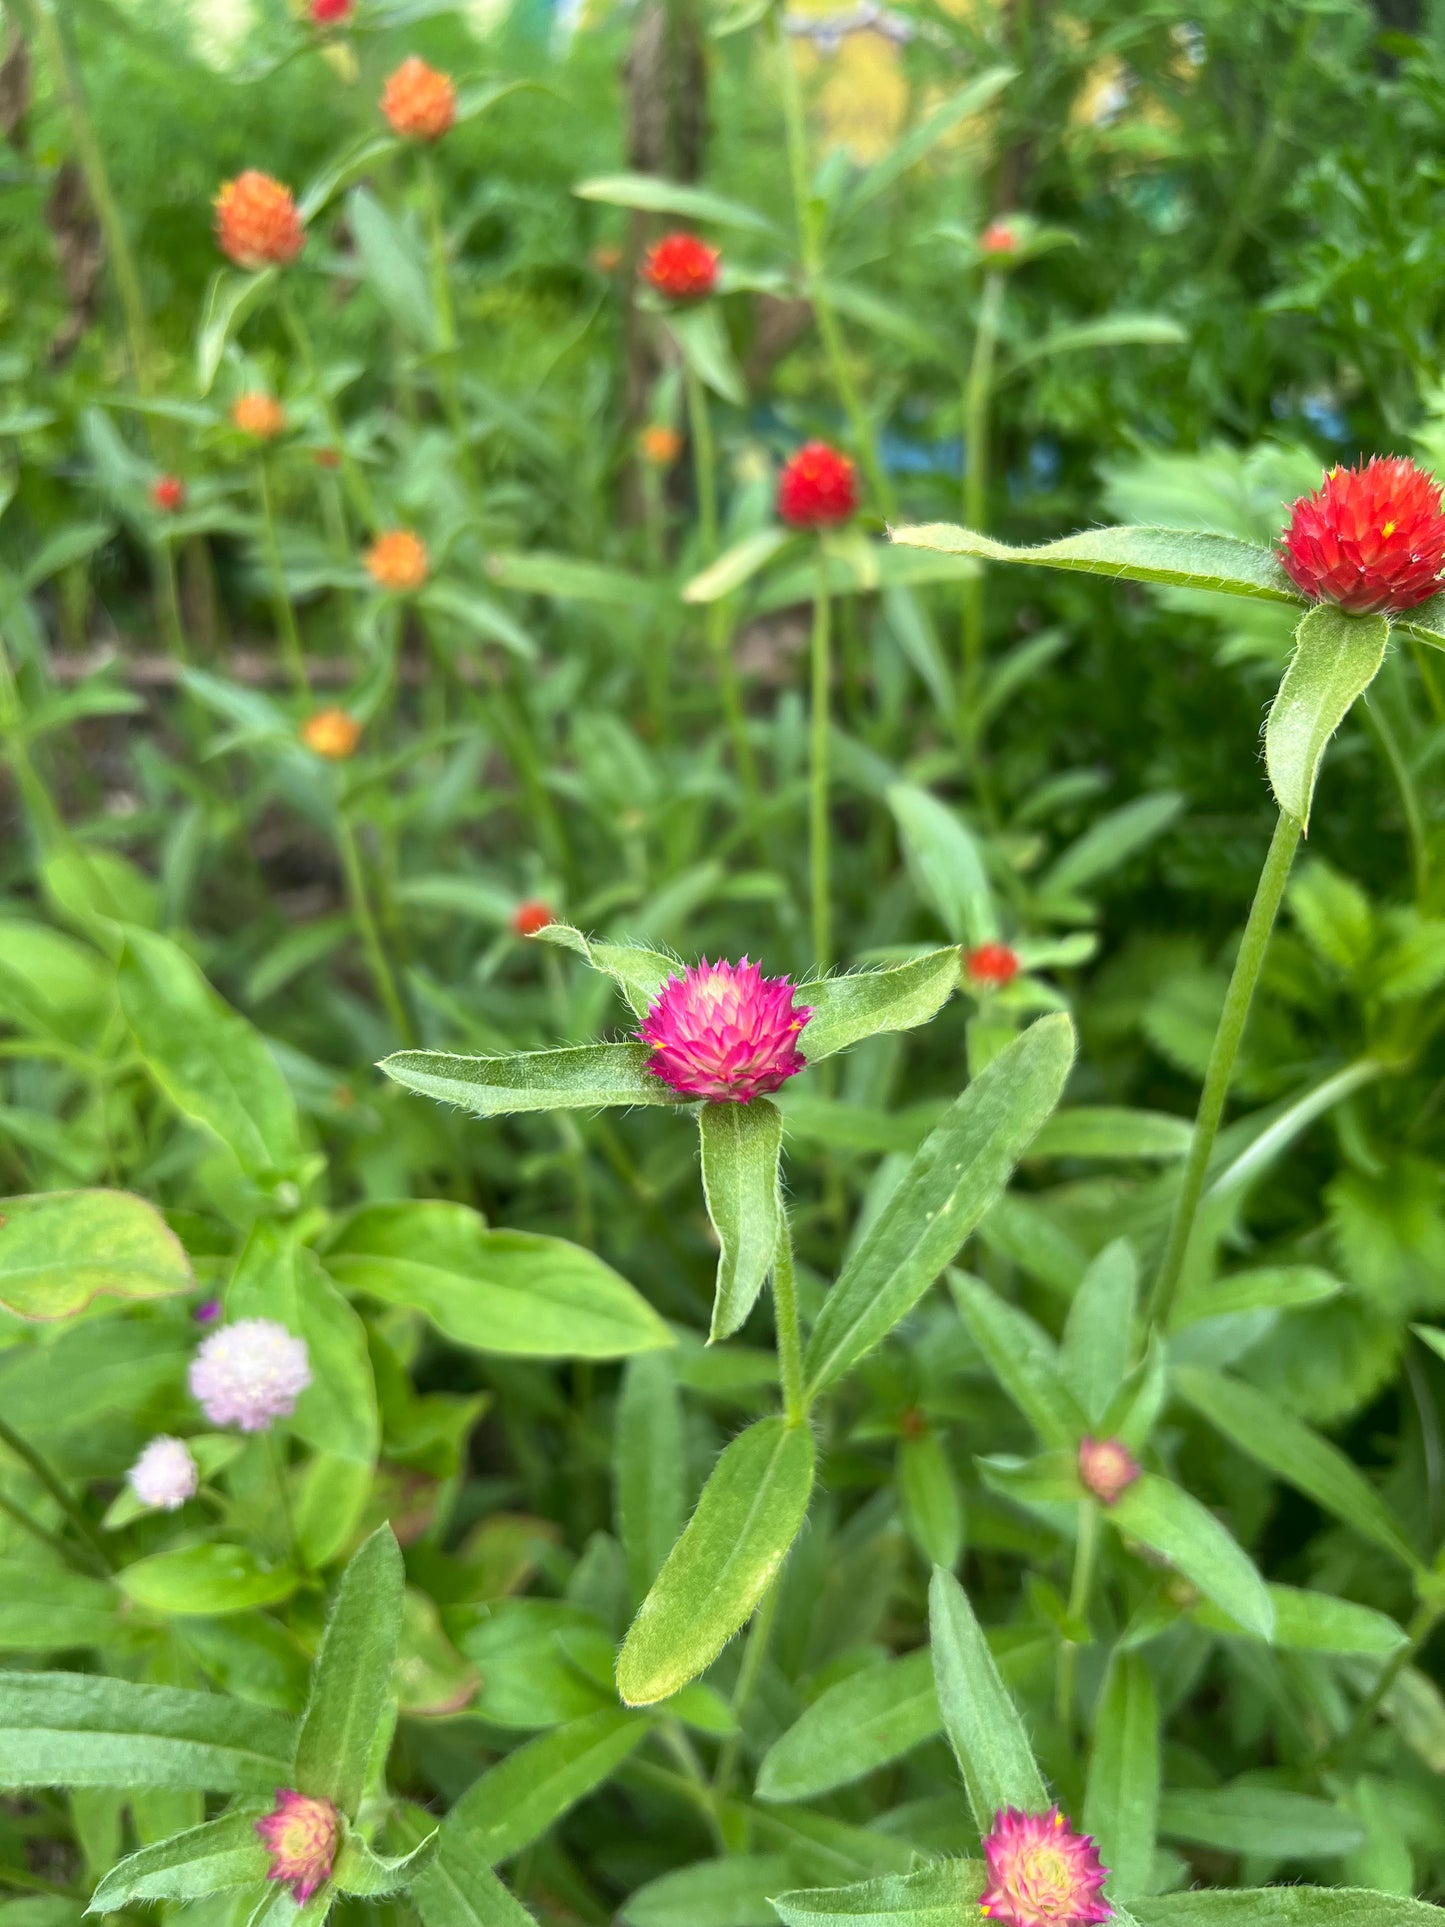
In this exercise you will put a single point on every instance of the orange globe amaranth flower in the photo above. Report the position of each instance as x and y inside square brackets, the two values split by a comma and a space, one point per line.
[331, 13]
[998, 238]
[419, 102]
[660, 445]
[398, 561]
[682, 267]
[168, 494]
[259, 415]
[258, 224]
[992, 965]
[331, 733]
[818, 488]
[1370, 538]
[530, 917]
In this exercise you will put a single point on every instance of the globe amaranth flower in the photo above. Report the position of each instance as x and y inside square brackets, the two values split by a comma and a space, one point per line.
[818, 488]
[331, 13]
[331, 733]
[682, 267]
[250, 1374]
[725, 1032]
[991, 965]
[1041, 1873]
[165, 1475]
[1107, 1468]
[258, 415]
[398, 561]
[530, 917]
[998, 238]
[258, 224]
[301, 1834]
[419, 101]
[168, 494]
[659, 444]
[1369, 538]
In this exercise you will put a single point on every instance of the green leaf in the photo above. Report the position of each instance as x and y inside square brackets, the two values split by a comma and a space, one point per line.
[515, 1802]
[82, 1729]
[206, 1058]
[971, 99]
[394, 267]
[189, 1866]
[1110, 842]
[1172, 1522]
[928, 1499]
[95, 889]
[640, 974]
[1024, 1360]
[979, 1716]
[1109, 331]
[361, 1871]
[735, 566]
[459, 1889]
[945, 863]
[1098, 1343]
[1251, 1818]
[1336, 658]
[703, 343]
[1285, 1907]
[749, 1514]
[358, 157]
[668, 197]
[1271, 1288]
[862, 1003]
[213, 1578]
[957, 1173]
[1121, 1801]
[351, 1682]
[649, 1457]
[584, 1077]
[518, 1292]
[541, 572]
[1315, 1622]
[1284, 1445]
[59, 1250]
[853, 1727]
[713, 1893]
[45, 1609]
[940, 1895]
[741, 1145]
[1187, 558]
[229, 299]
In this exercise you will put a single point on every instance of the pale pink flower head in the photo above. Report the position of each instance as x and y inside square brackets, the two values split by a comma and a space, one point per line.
[1107, 1467]
[725, 1032]
[300, 1836]
[1041, 1873]
[165, 1474]
[250, 1374]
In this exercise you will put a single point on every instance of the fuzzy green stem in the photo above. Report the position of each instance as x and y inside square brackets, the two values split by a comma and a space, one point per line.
[977, 397]
[1085, 1554]
[822, 667]
[381, 973]
[58, 1491]
[291, 647]
[447, 342]
[1232, 1020]
[719, 637]
[788, 1325]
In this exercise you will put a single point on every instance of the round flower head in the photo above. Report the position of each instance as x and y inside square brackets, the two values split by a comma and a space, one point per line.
[1370, 538]
[257, 221]
[725, 1032]
[1107, 1468]
[331, 733]
[259, 415]
[398, 561]
[331, 13]
[1041, 1873]
[660, 445]
[998, 238]
[250, 1374]
[300, 1833]
[418, 101]
[165, 1474]
[818, 488]
[682, 267]
[530, 917]
[168, 494]
[991, 965]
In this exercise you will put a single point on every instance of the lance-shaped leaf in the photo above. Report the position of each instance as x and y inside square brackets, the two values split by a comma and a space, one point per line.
[736, 565]
[1024, 1360]
[1187, 558]
[458, 1887]
[1336, 658]
[351, 1682]
[210, 1578]
[1099, 1331]
[979, 1715]
[1249, 1818]
[638, 973]
[749, 1514]
[1315, 1622]
[741, 1145]
[360, 1871]
[584, 1077]
[955, 1176]
[61, 1249]
[515, 1802]
[669, 197]
[731, 1892]
[940, 1895]
[1168, 1519]
[1285, 1907]
[648, 1465]
[229, 299]
[945, 863]
[203, 1860]
[864, 1002]
[82, 1729]
[853, 1727]
[1121, 1801]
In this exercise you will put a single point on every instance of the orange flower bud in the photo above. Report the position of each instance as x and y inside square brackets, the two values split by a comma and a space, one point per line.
[168, 494]
[419, 102]
[259, 415]
[331, 733]
[398, 561]
[257, 221]
[660, 444]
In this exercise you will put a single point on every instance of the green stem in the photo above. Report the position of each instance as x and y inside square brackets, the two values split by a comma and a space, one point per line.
[789, 1328]
[357, 486]
[760, 1635]
[170, 598]
[381, 974]
[1232, 1020]
[822, 677]
[291, 647]
[1085, 1553]
[1419, 1630]
[276, 1457]
[718, 628]
[45, 818]
[977, 396]
[441, 291]
[1405, 784]
[58, 1491]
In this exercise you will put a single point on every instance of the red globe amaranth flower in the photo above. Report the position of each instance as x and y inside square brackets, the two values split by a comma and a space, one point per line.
[168, 494]
[818, 488]
[331, 13]
[257, 221]
[530, 917]
[1107, 1468]
[419, 101]
[398, 560]
[991, 965]
[1370, 538]
[998, 238]
[725, 1032]
[682, 267]
[300, 1836]
[1041, 1873]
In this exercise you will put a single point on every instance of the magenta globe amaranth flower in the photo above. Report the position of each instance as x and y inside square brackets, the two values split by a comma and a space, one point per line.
[1107, 1468]
[1041, 1873]
[725, 1032]
[165, 1475]
[250, 1374]
[300, 1833]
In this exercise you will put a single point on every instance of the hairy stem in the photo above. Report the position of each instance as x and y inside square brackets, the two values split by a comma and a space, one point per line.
[822, 667]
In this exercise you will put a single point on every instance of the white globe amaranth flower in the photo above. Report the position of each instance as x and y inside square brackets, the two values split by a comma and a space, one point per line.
[250, 1374]
[165, 1475]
